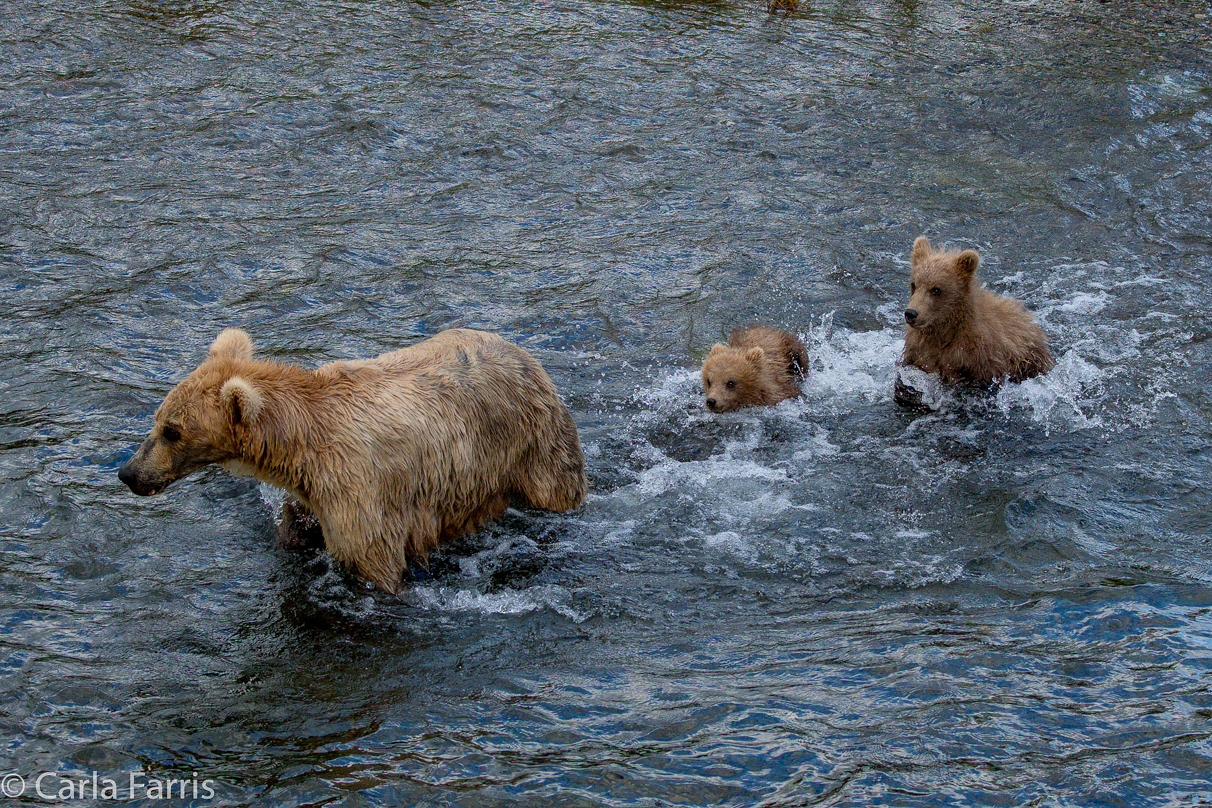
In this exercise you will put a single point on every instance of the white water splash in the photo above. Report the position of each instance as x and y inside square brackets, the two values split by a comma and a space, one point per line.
[1067, 396]
[709, 474]
[274, 499]
[505, 602]
[848, 365]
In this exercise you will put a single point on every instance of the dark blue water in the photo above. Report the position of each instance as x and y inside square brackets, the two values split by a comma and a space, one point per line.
[1002, 601]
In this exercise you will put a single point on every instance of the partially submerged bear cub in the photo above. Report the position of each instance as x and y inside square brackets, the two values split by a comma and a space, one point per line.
[963, 332]
[759, 365]
[392, 455]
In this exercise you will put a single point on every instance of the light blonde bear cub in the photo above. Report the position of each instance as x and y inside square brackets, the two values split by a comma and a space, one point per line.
[963, 332]
[759, 366]
[392, 455]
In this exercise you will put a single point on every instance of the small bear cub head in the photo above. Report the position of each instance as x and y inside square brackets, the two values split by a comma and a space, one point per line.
[940, 285]
[732, 377]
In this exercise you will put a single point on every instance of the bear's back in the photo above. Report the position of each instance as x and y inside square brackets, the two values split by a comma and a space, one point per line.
[786, 356]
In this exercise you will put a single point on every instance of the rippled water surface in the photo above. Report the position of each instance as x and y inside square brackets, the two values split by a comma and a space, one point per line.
[1002, 601]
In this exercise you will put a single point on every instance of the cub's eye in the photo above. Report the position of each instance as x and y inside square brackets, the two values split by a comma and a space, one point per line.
[912, 287]
[731, 384]
[937, 292]
[171, 434]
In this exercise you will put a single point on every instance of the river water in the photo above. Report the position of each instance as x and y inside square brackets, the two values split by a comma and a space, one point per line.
[1001, 601]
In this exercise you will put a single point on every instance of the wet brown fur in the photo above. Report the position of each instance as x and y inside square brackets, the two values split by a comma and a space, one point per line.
[392, 455]
[760, 365]
[962, 331]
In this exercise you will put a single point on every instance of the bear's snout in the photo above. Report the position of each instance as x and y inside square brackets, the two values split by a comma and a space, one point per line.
[910, 316]
[711, 404]
[130, 475]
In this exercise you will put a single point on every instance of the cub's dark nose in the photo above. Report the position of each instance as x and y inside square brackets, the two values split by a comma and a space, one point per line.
[711, 403]
[910, 316]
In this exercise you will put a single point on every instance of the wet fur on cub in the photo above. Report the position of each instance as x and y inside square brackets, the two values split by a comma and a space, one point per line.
[760, 365]
[963, 332]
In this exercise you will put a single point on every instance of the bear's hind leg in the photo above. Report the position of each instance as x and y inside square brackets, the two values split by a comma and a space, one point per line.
[553, 480]
[471, 521]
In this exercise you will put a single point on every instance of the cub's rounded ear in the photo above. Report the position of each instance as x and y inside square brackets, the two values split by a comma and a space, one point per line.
[755, 355]
[241, 400]
[921, 250]
[719, 347]
[232, 343]
[966, 263]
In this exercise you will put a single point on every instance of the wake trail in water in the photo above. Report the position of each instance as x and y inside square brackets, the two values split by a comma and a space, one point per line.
[808, 487]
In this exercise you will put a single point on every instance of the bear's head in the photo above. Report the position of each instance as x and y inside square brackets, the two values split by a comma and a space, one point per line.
[940, 285]
[732, 377]
[197, 422]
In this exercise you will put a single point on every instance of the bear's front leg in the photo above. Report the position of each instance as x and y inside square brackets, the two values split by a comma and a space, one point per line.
[299, 528]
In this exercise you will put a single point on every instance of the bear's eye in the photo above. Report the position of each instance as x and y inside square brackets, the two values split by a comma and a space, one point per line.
[937, 292]
[171, 434]
[912, 287]
[731, 384]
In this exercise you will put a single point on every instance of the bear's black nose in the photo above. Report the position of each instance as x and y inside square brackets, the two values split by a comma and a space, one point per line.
[910, 315]
[134, 482]
[711, 403]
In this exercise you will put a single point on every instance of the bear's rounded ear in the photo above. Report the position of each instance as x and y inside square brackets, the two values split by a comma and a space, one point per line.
[921, 250]
[719, 347]
[241, 400]
[755, 354]
[966, 264]
[232, 343]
